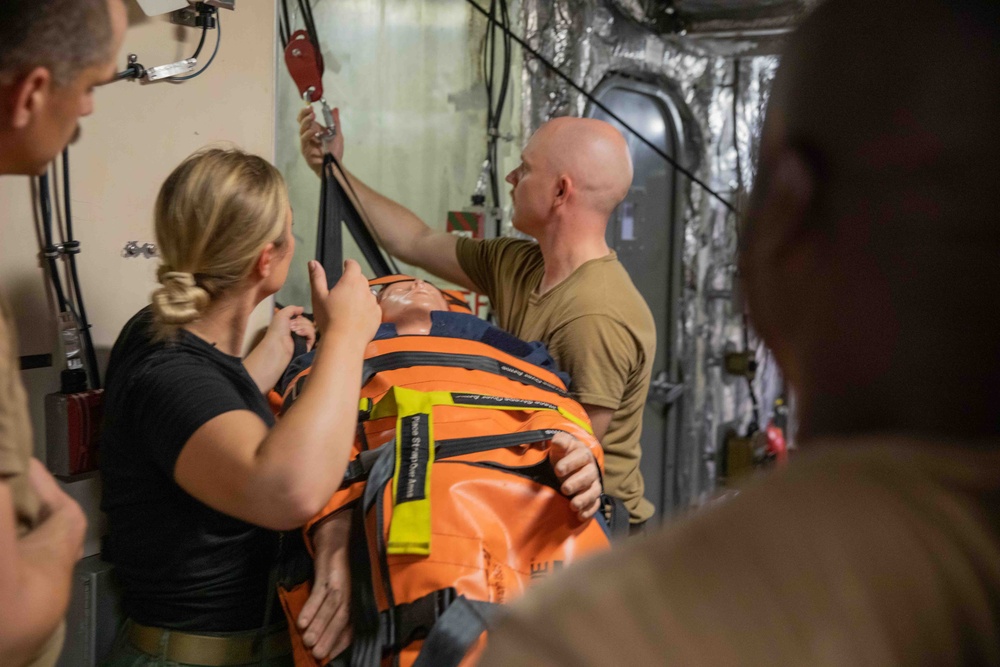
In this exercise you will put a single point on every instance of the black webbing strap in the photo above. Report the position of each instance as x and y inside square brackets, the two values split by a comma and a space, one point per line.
[361, 467]
[455, 632]
[333, 207]
[381, 474]
[473, 362]
[336, 209]
[366, 242]
[365, 649]
[462, 621]
[616, 515]
[460, 446]
[412, 621]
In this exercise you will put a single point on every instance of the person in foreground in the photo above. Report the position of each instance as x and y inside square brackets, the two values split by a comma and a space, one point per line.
[197, 478]
[417, 319]
[568, 290]
[52, 54]
[870, 268]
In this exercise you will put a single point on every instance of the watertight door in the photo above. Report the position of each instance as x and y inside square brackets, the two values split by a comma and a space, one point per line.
[646, 233]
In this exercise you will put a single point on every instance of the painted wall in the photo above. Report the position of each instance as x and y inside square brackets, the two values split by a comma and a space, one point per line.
[138, 134]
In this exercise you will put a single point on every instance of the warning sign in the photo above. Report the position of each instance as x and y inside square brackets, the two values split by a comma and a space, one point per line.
[466, 223]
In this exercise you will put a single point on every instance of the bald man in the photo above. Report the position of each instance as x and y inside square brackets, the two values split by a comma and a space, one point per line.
[568, 290]
[871, 268]
[52, 54]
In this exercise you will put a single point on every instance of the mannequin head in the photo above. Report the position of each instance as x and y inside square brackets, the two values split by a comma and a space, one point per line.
[408, 304]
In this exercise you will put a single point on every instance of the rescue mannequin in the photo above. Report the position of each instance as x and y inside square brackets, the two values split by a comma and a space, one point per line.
[52, 54]
[408, 305]
[869, 260]
[568, 290]
[196, 482]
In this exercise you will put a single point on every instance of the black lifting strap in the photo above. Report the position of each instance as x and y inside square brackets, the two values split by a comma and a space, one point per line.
[455, 632]
[329, 236]
[366, 650]
[474, 362]
[617, 516]
[412, 621]
[360, 468]
[336, 209]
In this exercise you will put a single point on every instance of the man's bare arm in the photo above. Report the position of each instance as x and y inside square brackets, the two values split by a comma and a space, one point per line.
[600, 419]
[399, 230]
[36, 570]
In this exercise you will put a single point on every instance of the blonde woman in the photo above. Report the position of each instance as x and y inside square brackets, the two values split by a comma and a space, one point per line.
[198, 478]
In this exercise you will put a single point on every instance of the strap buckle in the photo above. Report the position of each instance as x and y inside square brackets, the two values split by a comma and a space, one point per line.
[413, 621]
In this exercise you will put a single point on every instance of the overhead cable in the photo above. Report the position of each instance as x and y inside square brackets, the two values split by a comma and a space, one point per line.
[215, 51]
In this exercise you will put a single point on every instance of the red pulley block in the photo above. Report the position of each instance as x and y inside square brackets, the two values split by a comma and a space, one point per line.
[305, 64]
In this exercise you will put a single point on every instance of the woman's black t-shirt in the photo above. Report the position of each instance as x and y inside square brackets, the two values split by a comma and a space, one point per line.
[183, 565]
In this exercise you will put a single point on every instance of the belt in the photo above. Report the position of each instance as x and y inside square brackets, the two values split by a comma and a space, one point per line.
[209, 650]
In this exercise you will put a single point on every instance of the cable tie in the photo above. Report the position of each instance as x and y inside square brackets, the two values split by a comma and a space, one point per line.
[71, 248]
[52, 251]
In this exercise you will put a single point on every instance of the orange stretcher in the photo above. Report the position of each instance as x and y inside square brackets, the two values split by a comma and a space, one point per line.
[455, 506]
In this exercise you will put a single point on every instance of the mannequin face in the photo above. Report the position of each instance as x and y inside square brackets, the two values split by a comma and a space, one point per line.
[411, 299]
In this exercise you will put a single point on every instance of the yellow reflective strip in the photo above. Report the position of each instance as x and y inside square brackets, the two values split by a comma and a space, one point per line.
[576, 420]
[410, 528]
[386, 406]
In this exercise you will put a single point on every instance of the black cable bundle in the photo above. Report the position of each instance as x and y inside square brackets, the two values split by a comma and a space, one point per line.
[50, 251]
[201, 44]
[69, 248]
[309, 21]
[72, 249]
[494, 111]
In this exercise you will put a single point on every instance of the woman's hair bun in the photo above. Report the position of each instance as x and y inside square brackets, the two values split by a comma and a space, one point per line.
[180, 300]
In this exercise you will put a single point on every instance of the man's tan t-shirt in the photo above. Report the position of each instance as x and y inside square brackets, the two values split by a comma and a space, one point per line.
[863, 552]
[597, 327]
[15, 427]
[15, 453]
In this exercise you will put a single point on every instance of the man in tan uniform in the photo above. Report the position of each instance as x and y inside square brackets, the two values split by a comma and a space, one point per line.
[52, 54]
[870, 262]
[568, 290]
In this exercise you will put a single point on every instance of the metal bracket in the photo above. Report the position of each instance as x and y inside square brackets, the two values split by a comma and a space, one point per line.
[133, 249]
[664, 392]
[135, 70]
[201, 15]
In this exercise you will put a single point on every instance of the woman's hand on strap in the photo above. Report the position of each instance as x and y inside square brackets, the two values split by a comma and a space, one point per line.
[578, 474]
[325, 619]
[350, 308]
[279, 331]
[269, 358]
